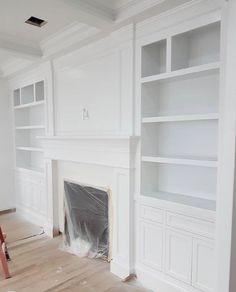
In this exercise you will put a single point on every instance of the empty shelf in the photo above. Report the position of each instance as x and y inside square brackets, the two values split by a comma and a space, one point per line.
[181, 161]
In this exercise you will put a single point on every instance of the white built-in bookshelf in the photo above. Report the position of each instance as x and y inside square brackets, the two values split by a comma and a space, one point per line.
[29, 110]
[179, 117]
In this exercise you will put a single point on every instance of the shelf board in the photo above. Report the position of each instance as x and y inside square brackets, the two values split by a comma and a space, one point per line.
[32, 104]
[30, 127]
[180, 161]
[31, 149]
[31, 169]
[181, 118]
[183, 72]
[183, 199]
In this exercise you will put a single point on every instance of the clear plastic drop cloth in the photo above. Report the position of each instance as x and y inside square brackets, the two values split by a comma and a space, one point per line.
[86, 230]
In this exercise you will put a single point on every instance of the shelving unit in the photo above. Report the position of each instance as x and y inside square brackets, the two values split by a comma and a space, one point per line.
[179, 117]
[29, 109]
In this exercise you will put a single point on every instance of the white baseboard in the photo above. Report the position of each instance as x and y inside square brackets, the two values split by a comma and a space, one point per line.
[151, 281]
[119, 270]
[31, 216]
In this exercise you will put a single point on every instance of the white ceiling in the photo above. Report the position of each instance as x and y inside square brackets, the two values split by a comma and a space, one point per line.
[14, 14]
[21, 43]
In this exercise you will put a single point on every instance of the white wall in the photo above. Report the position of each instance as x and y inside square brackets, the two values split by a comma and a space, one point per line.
[97, 78]
[7, 200]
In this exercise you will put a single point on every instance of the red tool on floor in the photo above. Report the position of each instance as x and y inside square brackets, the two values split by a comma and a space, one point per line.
[4, 255]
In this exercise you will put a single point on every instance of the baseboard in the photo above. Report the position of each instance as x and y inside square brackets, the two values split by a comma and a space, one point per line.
[4, 212]
[31, 216]
[119, 270]
[151, 281]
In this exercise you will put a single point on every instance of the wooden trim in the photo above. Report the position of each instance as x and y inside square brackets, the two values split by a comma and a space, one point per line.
[3, 212]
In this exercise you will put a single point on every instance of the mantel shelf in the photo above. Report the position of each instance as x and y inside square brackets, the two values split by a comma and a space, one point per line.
[181, 161]
[181, 118]
[183, 72]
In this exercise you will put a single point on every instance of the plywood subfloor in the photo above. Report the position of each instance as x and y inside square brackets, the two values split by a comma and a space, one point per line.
[38, 265]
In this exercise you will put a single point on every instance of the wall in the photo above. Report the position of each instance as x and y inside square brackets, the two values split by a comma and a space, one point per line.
[98, 79]
[7, 199]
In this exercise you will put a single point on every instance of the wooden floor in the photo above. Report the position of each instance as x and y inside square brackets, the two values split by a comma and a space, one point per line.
[39, 265]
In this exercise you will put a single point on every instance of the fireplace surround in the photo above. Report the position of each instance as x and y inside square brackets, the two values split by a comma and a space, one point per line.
[99, 161]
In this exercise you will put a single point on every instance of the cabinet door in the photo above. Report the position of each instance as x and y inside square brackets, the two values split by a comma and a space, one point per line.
[151, 245]
[203, 265]
[179, 256]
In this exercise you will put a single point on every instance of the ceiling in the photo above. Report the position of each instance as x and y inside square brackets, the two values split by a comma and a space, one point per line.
[21, 43]
[15, 13]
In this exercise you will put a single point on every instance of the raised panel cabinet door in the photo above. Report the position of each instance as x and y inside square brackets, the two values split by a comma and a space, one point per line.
[178, 256]
[204, 265]
[151, 245]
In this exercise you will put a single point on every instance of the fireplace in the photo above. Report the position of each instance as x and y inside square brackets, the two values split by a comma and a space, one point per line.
[104, 160]
[87, 229]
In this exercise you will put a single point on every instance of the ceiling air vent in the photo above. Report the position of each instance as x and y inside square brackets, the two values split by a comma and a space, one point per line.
[36, 21]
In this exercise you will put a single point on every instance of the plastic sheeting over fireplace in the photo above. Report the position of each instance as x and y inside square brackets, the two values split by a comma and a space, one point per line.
[87, 221]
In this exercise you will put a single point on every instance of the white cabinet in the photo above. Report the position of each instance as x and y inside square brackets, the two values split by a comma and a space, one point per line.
[179, 256]
[31, 195]
[178, 116]
[203, 265]
[177, 245]
[151, 248]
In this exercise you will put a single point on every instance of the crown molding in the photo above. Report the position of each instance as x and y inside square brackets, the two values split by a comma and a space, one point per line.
[15, 66]
[20, 48]
[72, 34]
[92, 13]
[179, 14]
[132, 8]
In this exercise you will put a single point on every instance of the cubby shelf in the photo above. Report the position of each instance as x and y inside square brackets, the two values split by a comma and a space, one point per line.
[32, 104]
[182, 199]
[31, 149]
[181, 118]
[36, 127]
[195, 70]
[181, 161]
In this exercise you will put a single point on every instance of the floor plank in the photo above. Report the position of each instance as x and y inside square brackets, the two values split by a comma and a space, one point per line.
[39, 265]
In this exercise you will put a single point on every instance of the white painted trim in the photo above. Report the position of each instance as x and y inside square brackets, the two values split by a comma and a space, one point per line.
[31, 216]
[91, 12]
[119, 270]
[20, 49]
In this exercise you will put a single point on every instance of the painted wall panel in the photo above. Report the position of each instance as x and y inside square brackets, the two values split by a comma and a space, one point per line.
[7, 199]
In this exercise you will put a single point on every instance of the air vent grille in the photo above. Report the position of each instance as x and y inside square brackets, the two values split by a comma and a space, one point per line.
[36, 21]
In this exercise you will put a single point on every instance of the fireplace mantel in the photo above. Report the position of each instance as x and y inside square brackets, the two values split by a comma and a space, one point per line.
[116, 152]
[108, 150]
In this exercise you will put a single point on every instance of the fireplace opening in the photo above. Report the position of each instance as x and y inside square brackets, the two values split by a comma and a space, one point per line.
[87, 229]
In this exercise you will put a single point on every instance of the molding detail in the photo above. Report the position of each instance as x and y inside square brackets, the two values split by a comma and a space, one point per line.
[114, 151]
[19, 48]
[71, 35]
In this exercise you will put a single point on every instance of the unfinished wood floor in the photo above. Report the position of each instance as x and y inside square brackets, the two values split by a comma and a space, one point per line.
[38, 265]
